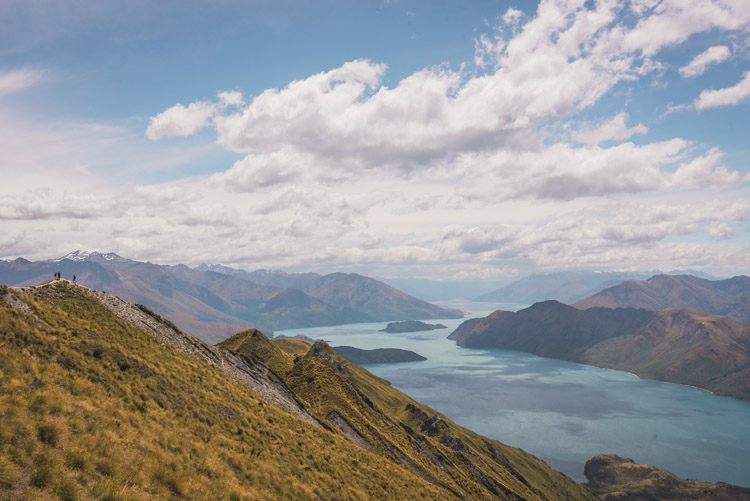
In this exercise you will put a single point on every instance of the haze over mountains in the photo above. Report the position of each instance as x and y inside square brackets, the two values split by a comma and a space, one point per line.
[566, 286]
[215, 305]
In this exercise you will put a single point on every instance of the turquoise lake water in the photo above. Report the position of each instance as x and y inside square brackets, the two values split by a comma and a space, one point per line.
[562, 412]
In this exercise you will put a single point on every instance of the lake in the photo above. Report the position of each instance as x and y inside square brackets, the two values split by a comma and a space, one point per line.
[560, 411]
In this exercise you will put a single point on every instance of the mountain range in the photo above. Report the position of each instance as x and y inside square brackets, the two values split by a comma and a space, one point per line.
[104, 399]
[216, 302]
[676, 344]
[730, 297]
[565, 286]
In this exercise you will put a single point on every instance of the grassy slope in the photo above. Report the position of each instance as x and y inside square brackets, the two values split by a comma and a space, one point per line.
[383, 420]
[253, 343]
[93, 408]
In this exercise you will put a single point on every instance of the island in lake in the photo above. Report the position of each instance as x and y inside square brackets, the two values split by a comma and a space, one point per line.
[378, 355]
[411, 326]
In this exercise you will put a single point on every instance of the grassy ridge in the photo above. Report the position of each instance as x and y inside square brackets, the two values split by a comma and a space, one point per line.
[92, 408]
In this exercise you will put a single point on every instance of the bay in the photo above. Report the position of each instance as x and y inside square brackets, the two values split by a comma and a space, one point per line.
[563, 412]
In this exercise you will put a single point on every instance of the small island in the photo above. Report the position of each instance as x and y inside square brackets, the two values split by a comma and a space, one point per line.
[411, 326]
[378, 355]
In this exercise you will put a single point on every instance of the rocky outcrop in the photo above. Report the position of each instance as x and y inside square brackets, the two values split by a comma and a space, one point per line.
[613, 478]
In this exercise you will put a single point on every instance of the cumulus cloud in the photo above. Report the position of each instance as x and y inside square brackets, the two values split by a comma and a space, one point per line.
[447, 167]
[725, 97]
[670, 22]
[344, 120]
[20, 79]
[614, 129]
[180, 120]
[563, 172]
[704, 171]
[720, 229]
[699, 64]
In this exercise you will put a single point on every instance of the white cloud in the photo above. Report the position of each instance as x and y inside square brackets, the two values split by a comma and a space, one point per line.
[565, 58]
[448, 170]
[512, 16]
[720, 229]
[20, 79]
[725, 97]
[614, 129]
[180, 120]
[231, 98]
[563, 172]
[673, 21]
[699, 64]
[705, 171]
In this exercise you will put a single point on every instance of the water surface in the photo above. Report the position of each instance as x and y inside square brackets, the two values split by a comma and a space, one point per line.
[560, 411]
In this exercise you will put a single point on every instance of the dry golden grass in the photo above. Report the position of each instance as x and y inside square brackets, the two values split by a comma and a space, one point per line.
[92, 408]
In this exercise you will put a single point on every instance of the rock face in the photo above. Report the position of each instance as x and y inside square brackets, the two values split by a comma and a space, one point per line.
[378, 355]
[730, 297]
[85, 373]
[675, 345]
[613, 478]
[411, 326]
[214, 305]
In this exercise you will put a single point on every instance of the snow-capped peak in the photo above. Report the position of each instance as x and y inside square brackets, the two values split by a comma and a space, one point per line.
[81, 255]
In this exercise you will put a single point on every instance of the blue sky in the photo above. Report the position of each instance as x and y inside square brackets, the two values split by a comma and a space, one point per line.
[437, 139]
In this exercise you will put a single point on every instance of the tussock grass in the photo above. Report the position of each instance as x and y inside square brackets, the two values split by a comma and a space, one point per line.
[93, 408]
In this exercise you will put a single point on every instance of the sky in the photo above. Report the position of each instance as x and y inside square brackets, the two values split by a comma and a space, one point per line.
[437, 139]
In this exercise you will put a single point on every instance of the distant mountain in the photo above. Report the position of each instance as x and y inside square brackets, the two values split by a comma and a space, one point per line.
[378, 355]
[675, 345]
[565, 286]
[411, 326]
[613, 478]
[215, 305]
[435, 290]
[96, 257]
[349, 290]
[730, 297]
[270, 278]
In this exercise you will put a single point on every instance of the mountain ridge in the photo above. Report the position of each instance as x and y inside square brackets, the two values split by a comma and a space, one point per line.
[729, 297]
[216, 305]
[674, 345]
